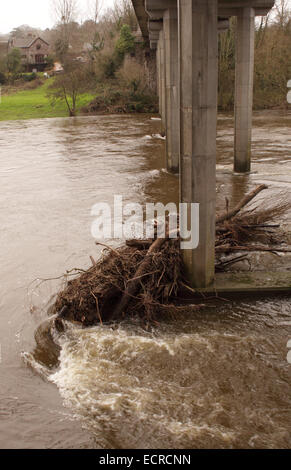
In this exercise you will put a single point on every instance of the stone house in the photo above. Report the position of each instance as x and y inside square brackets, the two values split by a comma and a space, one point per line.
[34, 51]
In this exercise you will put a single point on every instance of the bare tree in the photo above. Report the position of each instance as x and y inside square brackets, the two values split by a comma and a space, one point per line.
[94, 8]
[261, 30]
[282, 10]
[68, 87]
[123, 13]
[65, 10]
[93, 11]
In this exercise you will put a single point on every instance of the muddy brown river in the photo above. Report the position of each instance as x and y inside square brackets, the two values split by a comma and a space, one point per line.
[214, 379]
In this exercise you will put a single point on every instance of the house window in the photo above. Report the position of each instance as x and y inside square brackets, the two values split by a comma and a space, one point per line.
[39, 59]
[38, 47]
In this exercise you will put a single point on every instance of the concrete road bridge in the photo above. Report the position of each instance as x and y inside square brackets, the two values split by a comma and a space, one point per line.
[185, 36]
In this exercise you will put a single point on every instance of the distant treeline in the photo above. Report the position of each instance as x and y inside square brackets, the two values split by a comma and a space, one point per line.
[104, 38]
[272, 60]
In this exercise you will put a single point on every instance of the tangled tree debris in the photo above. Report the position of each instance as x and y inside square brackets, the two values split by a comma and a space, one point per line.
[144, 277]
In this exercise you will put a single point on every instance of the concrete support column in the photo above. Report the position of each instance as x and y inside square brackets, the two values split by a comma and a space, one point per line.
[198, 70]
[172, 89]
[244, 80]
[159, 77]
[162, 80]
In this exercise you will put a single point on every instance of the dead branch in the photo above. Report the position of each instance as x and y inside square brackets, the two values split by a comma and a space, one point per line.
[133, 284]
[141, 244]
[229, 214]
[222, 264]
[93, 261]
[274, 249]
[108, 247]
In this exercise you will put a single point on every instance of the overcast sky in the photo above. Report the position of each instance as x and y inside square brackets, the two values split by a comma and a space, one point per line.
[35, 13]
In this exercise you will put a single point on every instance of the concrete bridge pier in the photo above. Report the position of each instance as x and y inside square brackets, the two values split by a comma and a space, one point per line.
[198, 65]
[163, 14]
[162, 81]
[244, 81]
[188, 70]
[172, 89]
[156, 36]
[158, 75]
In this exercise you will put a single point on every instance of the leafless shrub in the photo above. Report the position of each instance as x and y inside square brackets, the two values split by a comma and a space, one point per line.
[133, 75]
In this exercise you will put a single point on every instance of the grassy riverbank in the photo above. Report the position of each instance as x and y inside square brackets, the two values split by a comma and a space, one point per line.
[34, 104]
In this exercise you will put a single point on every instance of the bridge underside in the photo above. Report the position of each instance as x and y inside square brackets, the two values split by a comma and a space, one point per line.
[185, 36]
[226, 8]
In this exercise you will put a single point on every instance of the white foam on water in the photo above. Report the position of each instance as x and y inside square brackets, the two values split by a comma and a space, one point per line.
[171, 388]
[154, 173]
[33, 364]
[159, 136]
[112, 376]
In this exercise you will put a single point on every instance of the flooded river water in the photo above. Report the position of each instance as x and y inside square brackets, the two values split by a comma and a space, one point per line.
[214, 379]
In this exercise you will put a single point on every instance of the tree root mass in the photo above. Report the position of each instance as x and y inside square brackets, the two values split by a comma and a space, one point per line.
[144, 277]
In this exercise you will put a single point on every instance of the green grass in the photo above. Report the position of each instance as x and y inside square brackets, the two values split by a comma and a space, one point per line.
[34, 104]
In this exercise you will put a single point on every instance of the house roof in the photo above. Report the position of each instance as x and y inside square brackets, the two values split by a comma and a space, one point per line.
[26, 42]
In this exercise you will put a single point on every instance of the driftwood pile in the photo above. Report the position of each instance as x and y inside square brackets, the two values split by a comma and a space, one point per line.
[144, 277]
